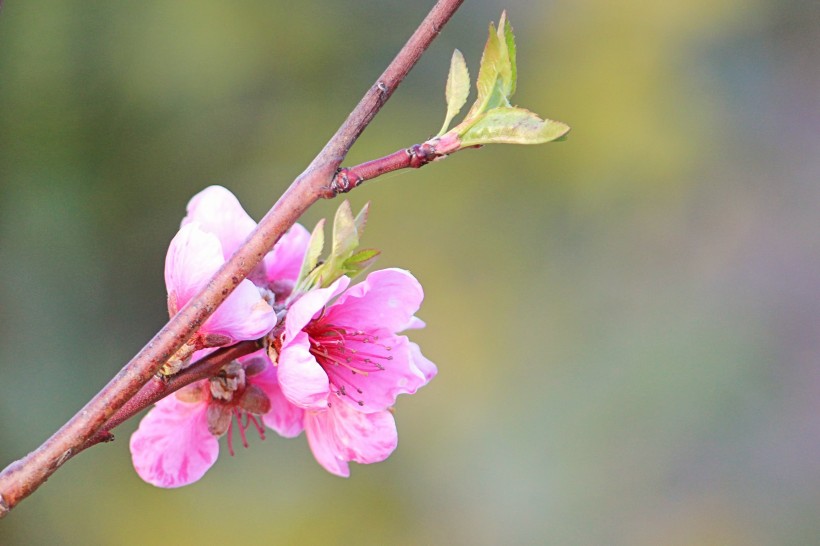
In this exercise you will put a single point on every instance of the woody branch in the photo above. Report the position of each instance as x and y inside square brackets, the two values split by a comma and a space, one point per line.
[24, 476]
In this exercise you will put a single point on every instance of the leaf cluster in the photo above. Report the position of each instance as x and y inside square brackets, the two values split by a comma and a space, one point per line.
[492, 118]
[345, 258]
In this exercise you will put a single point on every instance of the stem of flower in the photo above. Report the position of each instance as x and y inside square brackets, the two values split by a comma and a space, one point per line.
[157, 388]
[23, 477]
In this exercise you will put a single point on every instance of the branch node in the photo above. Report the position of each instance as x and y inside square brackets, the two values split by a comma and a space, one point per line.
[421, 154]
[345, 180]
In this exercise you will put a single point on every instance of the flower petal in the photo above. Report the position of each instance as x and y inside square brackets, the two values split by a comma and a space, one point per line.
[285, 418]
[386, 299]
[302, 379]
[284, 262]
[377, 389]
[193, 257]
[219, 212]
[244, 315]
[172, 446]
[342, 434]
[423, 365]
[414, 324]
[306, 307]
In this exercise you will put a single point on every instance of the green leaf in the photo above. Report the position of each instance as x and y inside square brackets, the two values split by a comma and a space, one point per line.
[487, 81]
[363, 256]
[497, 73]
[457, 89]
[361, 219]
[315, 246]
[345, 233]
[509, 125]
[343, 258]
[506, 65]
[360, 261]
[509, 40]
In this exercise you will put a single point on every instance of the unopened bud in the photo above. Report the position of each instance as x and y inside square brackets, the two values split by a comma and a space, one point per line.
[215, 340]
[255, 365]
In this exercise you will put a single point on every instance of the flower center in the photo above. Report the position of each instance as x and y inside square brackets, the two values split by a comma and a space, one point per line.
[227, 382]
[347, 354]
[275, 293]
[232, 398]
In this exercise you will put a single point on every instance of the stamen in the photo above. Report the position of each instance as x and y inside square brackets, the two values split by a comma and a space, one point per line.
[345, 363]
[242, 429]
[230, 439]
[259, 427]
[336, 347]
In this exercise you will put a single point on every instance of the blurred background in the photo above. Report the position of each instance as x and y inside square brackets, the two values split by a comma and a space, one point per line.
[625, 323]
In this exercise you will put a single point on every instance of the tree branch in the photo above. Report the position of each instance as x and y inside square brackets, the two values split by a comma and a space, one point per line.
[158, 388]
[414, 157]
[23, 477]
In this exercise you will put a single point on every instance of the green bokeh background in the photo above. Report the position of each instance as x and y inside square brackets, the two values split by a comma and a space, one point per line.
[626, 323]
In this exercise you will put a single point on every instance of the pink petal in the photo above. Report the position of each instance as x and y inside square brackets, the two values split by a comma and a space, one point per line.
[342, 434]
[423, 365]
[378, 389]
[306, 307]
[172, 446]
[285, 260]
[244, 315]
[193, 257]
[386, 299]
[414, 324]
[219, 212]
[302, 379]
[285, 418]
[202, 353]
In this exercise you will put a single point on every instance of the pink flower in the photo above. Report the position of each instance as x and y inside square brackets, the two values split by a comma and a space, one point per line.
[172, 446]
[341, 434]
[345, 365]
[193, 257]
[284, 418]
[349, 350]
[177, 441]
[215, 226]
[219, 212]
[341, 363]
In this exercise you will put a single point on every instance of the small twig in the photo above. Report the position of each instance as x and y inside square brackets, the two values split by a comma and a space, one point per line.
[158, 388]
[414, 157]
[23, 477]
